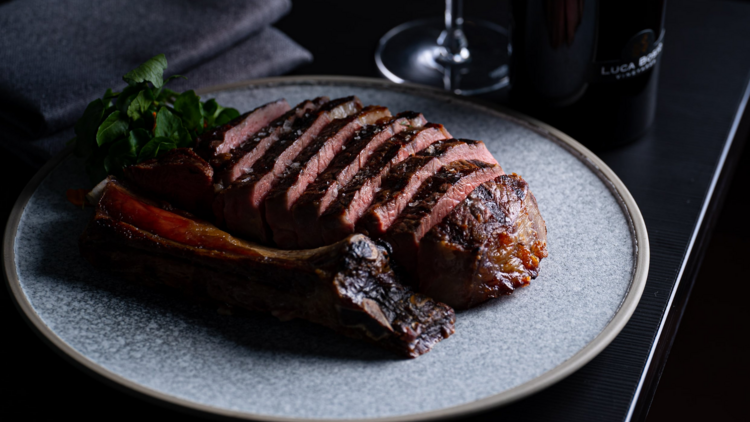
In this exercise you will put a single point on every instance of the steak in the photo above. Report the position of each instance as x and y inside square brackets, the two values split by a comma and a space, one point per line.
[180, 177]
[434, 200]
[231, 166]
[306, 167]
[490, 245]
[348, 287]
[221, 140]
[319, 194]
[404, 180]
[241, 205]
[339, 220]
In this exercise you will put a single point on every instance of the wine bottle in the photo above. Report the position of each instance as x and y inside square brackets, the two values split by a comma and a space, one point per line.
[588, 67]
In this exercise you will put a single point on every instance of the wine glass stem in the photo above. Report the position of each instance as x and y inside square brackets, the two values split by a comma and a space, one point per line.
[454, 47]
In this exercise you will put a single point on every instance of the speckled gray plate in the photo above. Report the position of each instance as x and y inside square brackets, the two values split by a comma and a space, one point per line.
[259, 368]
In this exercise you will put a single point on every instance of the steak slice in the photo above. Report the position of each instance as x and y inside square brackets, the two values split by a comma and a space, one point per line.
[319, 194]
[491, 244]
[348, 287]
[221, 140]
[434, 200]
[404, 180]
[179, 177]
[231, 166]
[241, 205]
[339, 219]
[306, 167]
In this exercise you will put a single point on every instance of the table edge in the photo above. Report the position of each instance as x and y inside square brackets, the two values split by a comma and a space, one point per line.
[639, 405]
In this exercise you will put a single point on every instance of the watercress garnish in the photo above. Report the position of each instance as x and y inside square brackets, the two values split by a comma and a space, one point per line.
[145, 121]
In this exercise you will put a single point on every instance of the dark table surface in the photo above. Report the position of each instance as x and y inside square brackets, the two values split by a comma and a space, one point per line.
[678, 174]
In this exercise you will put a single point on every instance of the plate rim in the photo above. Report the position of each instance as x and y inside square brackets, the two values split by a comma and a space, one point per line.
[576, 361]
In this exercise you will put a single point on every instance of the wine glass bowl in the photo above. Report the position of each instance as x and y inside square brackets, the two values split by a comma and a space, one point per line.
[465, 57]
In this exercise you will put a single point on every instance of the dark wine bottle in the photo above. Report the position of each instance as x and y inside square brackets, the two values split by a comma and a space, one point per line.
[588, 67]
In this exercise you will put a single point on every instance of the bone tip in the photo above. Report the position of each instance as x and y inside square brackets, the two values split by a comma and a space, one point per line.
[363, 246]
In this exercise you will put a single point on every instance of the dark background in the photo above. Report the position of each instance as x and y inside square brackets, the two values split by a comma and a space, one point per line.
[704, 378]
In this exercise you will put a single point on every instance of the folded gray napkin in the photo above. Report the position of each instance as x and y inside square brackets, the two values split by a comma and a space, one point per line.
[55, 57]
[268, 53]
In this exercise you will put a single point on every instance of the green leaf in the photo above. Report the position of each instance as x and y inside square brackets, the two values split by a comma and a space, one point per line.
[210, 108]
[155, 148]
[174, 77]
[107, 98]
[140, 104]
[86, 128]
[166, 95]
[226, 115]
[121, 154]
[124, 149]
[189, 106]
[110, 94]
[128, 95]
[112, 129]
[182, 138]
[151, 71]
[109, 110]
[166, 123]
[139, 137]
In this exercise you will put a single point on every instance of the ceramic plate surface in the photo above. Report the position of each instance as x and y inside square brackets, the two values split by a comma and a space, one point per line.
[259, 368]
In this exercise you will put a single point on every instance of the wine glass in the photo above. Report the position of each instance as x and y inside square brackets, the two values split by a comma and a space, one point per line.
[465, 57]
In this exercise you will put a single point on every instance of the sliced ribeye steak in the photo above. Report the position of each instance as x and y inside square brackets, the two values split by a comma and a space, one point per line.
[231, 166]
[307, 166]
[348, 286]
[221, 140]
[180, 177]
[434, 200]
[241, 205]
[324, 190]
[339, 220]
[404, 180]
[491, 244]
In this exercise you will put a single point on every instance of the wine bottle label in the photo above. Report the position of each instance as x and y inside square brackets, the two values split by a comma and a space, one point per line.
[640, 54]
